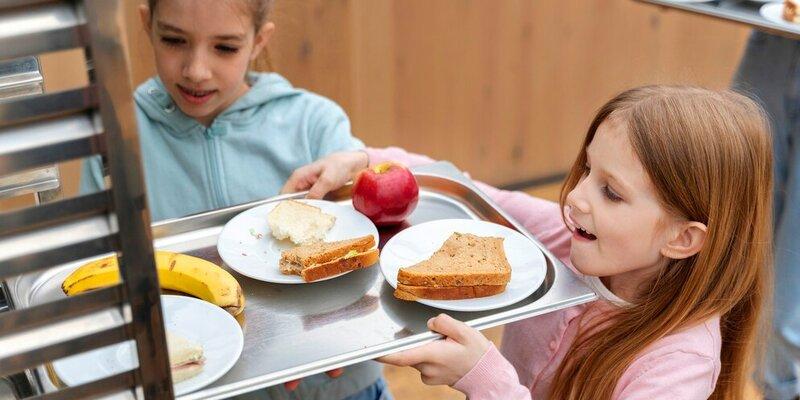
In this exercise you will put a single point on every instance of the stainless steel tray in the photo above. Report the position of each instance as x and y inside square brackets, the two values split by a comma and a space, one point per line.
[740, 11]
[292, 331]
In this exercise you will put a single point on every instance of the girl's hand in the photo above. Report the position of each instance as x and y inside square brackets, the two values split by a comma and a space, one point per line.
[326, 174]
[444, 362]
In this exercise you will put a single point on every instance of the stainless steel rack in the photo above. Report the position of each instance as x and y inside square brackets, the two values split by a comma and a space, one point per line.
[44, 129]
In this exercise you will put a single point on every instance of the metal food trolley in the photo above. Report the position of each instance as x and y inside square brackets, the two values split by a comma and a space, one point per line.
[289, 332]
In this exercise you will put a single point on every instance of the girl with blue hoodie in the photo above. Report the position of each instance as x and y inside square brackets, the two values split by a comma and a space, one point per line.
[214, 135]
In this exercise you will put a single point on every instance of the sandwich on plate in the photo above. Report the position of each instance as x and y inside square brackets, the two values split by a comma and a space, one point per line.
[299, 222]
[185, 357]
[465, 267]
[321, 260]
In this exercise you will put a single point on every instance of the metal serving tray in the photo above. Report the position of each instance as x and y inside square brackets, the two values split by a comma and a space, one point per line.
[741, 11]
[292, 331]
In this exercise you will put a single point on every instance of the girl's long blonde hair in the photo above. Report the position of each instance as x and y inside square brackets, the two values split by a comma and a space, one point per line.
[709, 156]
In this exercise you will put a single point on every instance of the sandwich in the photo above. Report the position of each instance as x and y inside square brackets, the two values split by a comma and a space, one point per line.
[299, 222]
[465, 267]
[185, 357]
[321, 260]
[790, 11]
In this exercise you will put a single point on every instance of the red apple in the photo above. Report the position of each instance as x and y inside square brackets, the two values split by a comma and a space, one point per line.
[386, 193]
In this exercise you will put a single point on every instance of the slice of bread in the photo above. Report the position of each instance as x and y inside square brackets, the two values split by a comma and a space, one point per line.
[791, 11]
[344, 264]
[466, 266]
[413, 293]
[320, 260]
[463, 260]
[299, 222]
[185, 357]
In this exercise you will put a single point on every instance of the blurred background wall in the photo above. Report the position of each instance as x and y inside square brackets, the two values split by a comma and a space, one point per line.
[504, 89]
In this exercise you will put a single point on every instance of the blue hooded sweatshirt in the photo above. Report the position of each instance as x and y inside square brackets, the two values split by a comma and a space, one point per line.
[246, 154]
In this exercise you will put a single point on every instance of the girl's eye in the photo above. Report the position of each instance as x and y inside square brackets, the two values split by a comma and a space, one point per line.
[172, 41]
[227, 49]
[610, 194]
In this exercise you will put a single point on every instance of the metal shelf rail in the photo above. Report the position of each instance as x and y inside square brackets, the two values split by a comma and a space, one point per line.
[45, 129]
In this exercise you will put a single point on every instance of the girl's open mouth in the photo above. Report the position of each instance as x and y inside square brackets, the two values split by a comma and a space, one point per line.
[577, 231]
[195, 96]
[581, 233]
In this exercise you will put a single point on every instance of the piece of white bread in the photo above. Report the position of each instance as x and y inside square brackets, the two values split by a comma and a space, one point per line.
[185, 357]
[299, 222]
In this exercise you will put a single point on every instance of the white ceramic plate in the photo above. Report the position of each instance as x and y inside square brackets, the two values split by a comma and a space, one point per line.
[196, 320]
[246, 243]
[419, 242]
[766, 1]
[773, 12]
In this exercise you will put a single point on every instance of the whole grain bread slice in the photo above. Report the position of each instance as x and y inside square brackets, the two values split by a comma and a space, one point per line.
[463, 260]
[412, 293]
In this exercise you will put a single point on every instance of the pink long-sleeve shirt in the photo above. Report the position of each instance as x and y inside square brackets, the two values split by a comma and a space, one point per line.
[682, 365]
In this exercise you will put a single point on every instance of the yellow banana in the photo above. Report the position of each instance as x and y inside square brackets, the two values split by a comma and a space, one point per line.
[179, 272]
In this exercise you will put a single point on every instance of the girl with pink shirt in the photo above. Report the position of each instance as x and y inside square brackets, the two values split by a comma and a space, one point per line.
[666, 213]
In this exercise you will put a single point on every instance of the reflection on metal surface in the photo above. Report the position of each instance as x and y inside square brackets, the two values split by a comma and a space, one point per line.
[22, 77]
[40, 28]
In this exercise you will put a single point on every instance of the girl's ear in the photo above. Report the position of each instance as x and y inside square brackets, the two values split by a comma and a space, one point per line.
[262, 39]
[686, 240]
[147, 21]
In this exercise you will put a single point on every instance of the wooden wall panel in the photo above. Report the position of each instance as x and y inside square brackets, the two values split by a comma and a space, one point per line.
[312, 46]
[142, 64]
[505, 89]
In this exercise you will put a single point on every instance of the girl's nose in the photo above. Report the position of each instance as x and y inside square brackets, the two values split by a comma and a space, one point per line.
[576, 198]
[196, 69]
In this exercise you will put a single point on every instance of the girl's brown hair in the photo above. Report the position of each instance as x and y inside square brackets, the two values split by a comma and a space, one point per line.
[258, 9]
[709, 157]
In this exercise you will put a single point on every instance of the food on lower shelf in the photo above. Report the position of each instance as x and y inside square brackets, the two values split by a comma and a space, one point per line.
[179, 272]
[186, 358]
[790, 11]
[325, 259]
[299, 222]
[465, 267]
